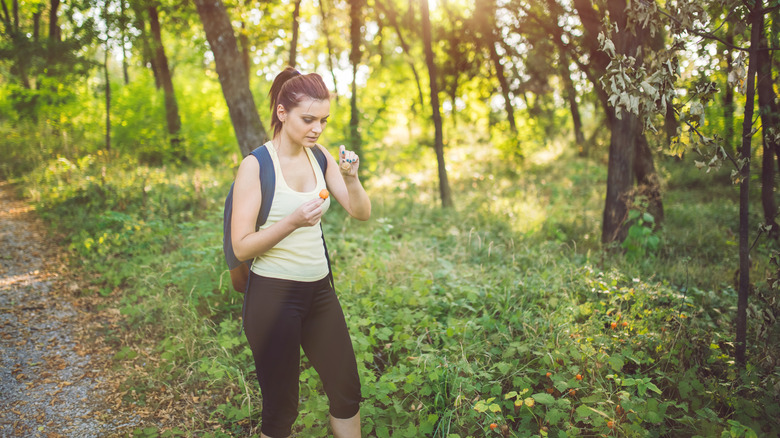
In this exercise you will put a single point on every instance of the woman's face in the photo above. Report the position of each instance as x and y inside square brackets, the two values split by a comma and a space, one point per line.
[303, 124]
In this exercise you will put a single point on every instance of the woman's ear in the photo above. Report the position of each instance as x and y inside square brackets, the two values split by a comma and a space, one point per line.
[281, 113]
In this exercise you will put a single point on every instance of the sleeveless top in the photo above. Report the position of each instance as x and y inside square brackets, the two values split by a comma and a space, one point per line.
[301, 255]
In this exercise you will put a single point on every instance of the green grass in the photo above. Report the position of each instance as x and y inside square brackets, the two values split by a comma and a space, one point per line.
[456, 315]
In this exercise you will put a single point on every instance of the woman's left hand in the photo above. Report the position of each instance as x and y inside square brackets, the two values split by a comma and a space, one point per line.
[348, 162]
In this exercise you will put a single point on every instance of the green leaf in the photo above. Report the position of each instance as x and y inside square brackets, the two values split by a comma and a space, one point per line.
[545, 399]
[616, 362]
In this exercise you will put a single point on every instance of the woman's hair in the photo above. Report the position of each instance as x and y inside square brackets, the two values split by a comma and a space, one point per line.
[290, 87]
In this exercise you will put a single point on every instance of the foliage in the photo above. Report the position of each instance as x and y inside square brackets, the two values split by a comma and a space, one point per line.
[460, 319]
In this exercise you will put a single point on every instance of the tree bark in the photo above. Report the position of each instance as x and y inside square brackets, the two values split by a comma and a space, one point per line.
[54, 27]
[574, 108]
[756, 27]
[295, 26]
[329, 44]
[171, 106]
[728, 96]
[122, 39]
[247, 126]
[438, 143]
[108, 83]
[770, 115]
[355, 16]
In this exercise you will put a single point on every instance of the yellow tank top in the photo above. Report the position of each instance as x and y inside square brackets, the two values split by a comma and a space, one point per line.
[301, 255]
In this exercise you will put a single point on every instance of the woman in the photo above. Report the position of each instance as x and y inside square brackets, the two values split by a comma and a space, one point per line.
[291, 303]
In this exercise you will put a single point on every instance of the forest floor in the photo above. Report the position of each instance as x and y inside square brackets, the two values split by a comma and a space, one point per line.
[56, 376]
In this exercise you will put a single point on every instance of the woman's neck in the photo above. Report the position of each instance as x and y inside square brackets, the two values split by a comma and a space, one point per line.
[285, 148]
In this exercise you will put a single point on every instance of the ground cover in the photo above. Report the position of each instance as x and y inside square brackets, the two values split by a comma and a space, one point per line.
[501, 317]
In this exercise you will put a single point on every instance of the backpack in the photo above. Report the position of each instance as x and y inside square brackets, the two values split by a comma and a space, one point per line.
[239, 271]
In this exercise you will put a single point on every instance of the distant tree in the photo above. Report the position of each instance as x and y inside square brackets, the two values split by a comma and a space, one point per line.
[249, 130]
[161, 61]
[295, 26]
[438, 143]
[355, 55]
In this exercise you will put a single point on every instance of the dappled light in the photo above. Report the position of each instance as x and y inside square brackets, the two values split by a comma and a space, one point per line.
[573, 213]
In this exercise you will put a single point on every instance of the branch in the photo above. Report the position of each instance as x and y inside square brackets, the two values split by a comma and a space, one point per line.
[6, 18]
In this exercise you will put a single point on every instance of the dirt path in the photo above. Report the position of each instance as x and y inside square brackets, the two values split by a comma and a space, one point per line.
[54, 370]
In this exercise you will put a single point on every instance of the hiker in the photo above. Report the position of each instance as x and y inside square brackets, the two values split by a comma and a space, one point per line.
[290, 300]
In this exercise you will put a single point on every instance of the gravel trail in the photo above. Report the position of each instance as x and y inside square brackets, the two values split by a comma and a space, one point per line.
[53, 379]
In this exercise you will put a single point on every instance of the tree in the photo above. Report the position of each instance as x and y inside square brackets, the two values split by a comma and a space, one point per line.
[295, 26]
[249, 130]
[438, 143]
[161, 61]
[355, 55]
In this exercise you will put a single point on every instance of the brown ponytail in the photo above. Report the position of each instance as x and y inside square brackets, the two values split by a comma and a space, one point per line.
[289, 88]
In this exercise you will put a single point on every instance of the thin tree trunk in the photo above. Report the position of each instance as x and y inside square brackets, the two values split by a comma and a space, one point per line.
[171, 106]
[329, 44]
[122, 39]
[249, 130]
[574, 108]
[107, 80]
[620, 178]
[728, 96]
[444, 185]
[295, 26]
[768, 110]
[355, 15]
[243, 40]
[756, 23]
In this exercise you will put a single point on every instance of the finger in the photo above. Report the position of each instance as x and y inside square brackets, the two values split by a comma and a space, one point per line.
[342, 152]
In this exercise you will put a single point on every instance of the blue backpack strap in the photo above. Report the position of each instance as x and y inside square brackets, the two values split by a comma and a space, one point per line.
[322, 160]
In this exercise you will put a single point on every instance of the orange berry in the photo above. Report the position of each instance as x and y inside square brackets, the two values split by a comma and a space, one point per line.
[625, 324]
[493, 426]
[572, 392]
[611, 424]
[578, 377]
[324, 194]
[550, 390]
[549, 374]
[613, 325]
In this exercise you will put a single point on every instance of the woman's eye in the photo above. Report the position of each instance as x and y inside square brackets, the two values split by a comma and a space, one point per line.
[308, 120]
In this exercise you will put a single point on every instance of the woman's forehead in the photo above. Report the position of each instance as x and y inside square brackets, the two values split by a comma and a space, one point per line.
[315, 107]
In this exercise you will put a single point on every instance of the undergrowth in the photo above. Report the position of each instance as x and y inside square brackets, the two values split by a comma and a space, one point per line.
[503, 316]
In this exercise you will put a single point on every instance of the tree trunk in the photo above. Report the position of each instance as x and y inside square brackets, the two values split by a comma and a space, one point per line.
[768, 110]
[444, 185]
[249, 130]
[146, 48]
[574, 108]
[620, 177]
[756, 24]
[728, 96]
[489, 40]
[295, 25]
[54, 27]
[108, 84]
[171, 106]
[243, 40]
[122, 39]
[355, 16]
[329, 44]
[648, 182]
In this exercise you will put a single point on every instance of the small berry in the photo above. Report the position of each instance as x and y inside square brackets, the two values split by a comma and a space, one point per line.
[613, 325]
[578, 377]
[625, 324]
[572, 392]
[324, 194]
[611, 424]
[549, 374]
[493, 426]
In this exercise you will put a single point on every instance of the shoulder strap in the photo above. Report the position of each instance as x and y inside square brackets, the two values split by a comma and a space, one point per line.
[267, 182]
[322, 160]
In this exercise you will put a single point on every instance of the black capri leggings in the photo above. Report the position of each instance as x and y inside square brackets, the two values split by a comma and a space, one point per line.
[281, 317]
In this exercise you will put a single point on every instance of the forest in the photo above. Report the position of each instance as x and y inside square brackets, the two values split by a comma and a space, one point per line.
[575, 221]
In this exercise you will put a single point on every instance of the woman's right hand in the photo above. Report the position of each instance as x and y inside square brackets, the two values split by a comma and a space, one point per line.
[308, 214]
